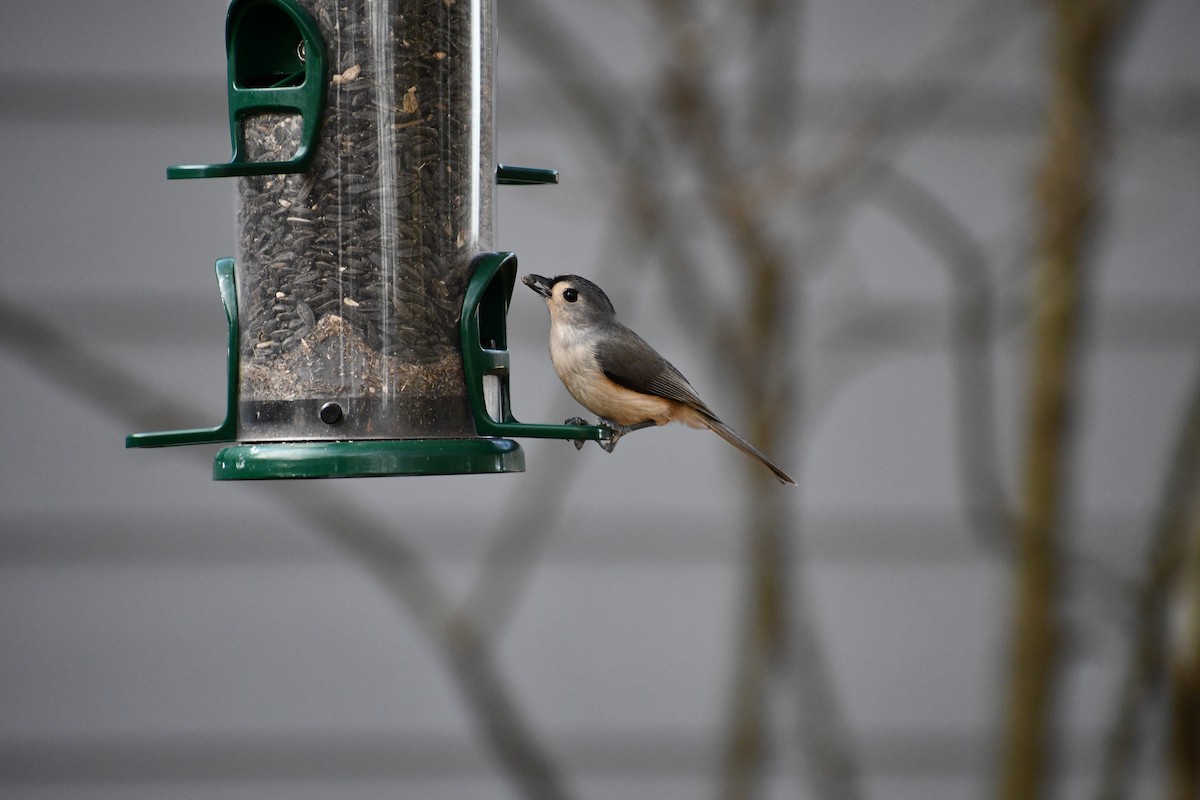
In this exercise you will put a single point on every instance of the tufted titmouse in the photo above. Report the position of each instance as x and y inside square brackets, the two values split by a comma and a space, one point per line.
[612, 372]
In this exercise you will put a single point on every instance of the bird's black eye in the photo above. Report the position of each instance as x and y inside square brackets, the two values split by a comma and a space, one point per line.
[570, 295]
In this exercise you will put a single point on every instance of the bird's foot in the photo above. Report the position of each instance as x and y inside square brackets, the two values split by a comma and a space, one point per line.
[579, 443]
[616, 431]
[620, 430]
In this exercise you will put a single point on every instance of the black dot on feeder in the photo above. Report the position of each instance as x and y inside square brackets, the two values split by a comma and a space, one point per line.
[331, 413]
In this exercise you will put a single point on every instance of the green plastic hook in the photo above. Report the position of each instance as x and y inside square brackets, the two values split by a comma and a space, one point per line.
[483, 334]
[276, 62]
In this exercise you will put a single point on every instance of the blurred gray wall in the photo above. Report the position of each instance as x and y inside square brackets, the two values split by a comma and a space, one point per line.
[165, 636]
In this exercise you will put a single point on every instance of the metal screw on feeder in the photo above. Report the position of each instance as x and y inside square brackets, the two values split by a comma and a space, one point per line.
[367, 306]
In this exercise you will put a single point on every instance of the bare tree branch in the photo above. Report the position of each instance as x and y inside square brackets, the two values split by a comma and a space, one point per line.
[376, 547]
[885, 125]
[1144, 663]
[988, 508]
[779, 639]
[629, 131]
[509, 558]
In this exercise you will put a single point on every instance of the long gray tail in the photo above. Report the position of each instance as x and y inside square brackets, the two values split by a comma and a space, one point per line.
[730, 435]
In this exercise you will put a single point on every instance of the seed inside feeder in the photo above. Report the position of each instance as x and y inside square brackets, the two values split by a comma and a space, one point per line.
[351, 275]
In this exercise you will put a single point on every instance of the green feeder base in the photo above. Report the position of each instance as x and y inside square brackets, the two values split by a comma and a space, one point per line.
[367, 458]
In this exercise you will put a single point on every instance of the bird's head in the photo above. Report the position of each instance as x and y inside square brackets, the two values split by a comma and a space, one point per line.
[572, 300]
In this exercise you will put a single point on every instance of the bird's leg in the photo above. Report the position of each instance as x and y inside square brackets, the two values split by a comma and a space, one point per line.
[620, 430]
[617, 431]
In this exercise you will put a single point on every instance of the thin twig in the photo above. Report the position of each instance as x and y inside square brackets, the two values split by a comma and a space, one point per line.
[885, 126]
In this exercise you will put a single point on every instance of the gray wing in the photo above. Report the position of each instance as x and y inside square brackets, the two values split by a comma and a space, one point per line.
[627, 360]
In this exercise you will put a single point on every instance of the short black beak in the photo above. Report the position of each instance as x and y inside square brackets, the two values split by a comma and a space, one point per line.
[539, 284]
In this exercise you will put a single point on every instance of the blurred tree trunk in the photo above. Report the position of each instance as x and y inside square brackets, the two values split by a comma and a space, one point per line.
[1082, 34]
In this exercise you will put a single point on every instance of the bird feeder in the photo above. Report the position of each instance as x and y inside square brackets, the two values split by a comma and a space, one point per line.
[367, 303]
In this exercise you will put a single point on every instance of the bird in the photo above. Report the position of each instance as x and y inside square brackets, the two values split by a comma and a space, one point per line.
[615, 374]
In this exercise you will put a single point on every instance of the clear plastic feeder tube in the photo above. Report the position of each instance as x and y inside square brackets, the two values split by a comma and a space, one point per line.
[351, 275]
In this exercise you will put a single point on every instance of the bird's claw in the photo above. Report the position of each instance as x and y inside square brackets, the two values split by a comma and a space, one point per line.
[617, 431]
[579, 443]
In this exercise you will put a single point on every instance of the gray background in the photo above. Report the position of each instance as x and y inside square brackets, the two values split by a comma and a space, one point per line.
[162, 635]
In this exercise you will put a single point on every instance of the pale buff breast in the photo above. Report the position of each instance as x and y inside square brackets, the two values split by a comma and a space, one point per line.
[575, 363]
